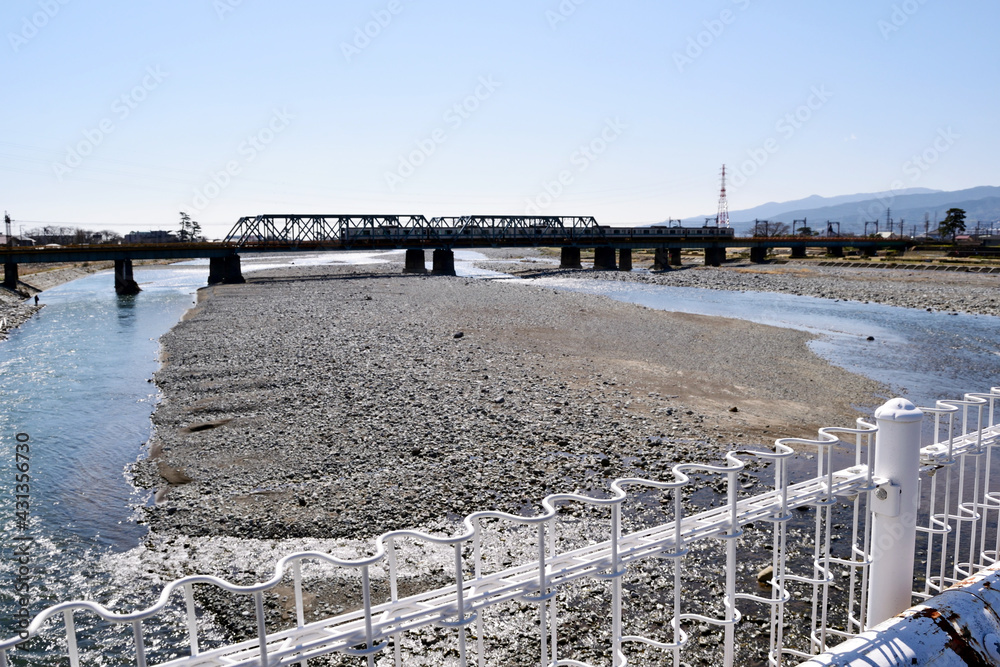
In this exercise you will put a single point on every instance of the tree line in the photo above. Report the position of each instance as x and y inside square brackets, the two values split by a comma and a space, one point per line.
[189, 230]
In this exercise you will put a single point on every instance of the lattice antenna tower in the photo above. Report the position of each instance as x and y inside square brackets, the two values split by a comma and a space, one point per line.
[722, 218]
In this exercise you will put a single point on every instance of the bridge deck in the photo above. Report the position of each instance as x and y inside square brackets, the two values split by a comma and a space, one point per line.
[631, 238]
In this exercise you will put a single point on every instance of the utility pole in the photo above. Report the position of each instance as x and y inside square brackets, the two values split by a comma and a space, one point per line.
[10, 239]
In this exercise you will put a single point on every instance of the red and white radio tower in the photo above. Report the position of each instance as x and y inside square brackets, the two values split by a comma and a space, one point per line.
[722, 218]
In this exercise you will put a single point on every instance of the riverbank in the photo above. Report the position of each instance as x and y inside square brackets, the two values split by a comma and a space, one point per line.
[974, 293]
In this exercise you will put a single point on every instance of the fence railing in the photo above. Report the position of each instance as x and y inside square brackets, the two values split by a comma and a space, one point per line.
[818, 591]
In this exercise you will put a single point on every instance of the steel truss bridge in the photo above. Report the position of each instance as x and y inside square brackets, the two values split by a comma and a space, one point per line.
[345, 232]
[411, 231]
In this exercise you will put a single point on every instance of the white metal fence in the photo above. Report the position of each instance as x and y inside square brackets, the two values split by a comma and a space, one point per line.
[860, 515]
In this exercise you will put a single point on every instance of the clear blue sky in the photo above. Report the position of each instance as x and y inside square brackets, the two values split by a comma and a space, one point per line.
[120, 114]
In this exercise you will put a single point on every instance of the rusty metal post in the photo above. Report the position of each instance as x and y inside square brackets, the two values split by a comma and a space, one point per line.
[961, 626]
[894, 509]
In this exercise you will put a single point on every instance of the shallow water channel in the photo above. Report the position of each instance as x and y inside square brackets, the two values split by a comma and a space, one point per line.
[75, 394]
[923, 356]
[75, 382]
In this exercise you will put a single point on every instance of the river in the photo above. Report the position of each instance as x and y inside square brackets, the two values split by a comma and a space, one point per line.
[75, 383]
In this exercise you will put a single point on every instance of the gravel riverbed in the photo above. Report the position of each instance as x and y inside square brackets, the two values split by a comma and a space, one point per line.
[336, 403]
[14, 311]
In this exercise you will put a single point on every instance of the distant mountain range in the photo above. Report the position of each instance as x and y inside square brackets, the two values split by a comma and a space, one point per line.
[851, 211]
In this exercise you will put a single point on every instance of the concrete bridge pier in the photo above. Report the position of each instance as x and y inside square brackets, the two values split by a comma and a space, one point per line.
[569, 258]
[798, 251]
[232, 271]
[415, 262]
[661, 259]
[604, 259]
[443, 263]
[124, 282]
[675, 256]
[758, 255]
[216, 270]
[625, 259]
[714, 256]
[835, 251]
[10, 275]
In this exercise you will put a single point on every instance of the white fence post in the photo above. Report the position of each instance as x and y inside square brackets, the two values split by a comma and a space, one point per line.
[894, 510]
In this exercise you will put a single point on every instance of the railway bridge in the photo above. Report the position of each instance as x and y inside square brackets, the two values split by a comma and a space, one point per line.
[612, 246]
[417, 234]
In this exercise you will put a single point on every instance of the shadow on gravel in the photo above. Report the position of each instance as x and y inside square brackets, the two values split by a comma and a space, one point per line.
[333, 277]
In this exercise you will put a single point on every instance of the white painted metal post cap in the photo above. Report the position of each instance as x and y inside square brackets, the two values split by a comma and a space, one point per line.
[899, 410]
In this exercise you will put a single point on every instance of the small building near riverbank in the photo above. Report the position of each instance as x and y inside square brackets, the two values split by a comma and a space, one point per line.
[158, 236]
[18, 241]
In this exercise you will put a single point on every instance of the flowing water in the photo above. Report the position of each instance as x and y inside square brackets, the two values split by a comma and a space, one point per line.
[75, 412]
[76, 398]
[922, 356]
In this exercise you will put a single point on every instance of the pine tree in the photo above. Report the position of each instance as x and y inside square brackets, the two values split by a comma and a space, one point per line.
[953, 223]
[190, 229]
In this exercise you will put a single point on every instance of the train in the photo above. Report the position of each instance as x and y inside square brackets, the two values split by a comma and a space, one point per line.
[533, 234]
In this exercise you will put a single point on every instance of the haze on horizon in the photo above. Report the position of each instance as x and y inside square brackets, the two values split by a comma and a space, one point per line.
[122, 117]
